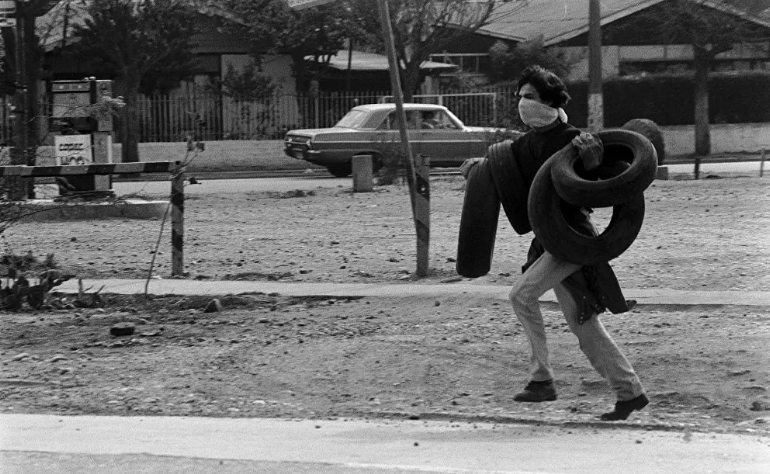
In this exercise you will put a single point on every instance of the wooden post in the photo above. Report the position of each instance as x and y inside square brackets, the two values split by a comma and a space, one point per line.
[102, 147]
[595, 97]
[418, 211]
[177, 221]
[422, 214]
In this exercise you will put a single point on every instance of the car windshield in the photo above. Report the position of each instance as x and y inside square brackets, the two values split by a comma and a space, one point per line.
[353, 119]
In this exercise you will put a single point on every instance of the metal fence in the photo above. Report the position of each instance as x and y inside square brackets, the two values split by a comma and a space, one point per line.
[213, 117]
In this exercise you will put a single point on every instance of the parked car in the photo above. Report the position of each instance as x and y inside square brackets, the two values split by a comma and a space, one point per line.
[373, 130]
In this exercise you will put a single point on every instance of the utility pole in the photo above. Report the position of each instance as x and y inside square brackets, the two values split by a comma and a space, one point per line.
[417, 179]
[16, 189]
[595, 98]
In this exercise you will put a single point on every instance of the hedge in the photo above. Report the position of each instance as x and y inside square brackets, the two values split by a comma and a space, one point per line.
[669, 99]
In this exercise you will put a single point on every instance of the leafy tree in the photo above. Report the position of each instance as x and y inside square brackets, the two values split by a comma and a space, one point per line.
[247, 84]
[710, 28]
[510, 62]
[144, 44]
[273, 28]
[18, 78]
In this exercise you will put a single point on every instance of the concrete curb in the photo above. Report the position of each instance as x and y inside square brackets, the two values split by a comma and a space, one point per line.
[643, 296]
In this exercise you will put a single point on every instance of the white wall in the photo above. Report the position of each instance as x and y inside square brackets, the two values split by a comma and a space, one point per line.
[268, 154]
[725, 138]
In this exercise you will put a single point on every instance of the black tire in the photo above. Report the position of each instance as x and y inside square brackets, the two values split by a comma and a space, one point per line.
[563, 241]
[619, 146]
[510, 185]
[478, 223]
[652, 132]
[341, 170]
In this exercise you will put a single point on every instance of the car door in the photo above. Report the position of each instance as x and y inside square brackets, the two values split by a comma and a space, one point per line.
[388, 136]
[443, 140]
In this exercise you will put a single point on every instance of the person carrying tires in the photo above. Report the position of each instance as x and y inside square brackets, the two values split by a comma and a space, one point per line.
[582, 291]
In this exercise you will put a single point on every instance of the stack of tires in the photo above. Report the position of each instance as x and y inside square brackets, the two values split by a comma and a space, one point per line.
[629, 166]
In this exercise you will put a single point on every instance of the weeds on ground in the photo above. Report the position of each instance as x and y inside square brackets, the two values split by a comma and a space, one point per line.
[17, 288]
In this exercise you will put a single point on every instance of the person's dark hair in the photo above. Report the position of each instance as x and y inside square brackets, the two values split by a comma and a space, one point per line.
[548, 85]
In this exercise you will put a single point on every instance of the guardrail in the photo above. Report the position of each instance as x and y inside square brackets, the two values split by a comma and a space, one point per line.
[177, 191]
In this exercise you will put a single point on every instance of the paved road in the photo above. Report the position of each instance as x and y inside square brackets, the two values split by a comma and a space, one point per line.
[322, 179]
[86, 444]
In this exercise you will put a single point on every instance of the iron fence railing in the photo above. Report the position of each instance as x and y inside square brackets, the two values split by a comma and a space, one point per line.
[212, 117]
[209, 116]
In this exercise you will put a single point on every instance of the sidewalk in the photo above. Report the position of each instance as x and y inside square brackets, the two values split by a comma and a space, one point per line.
[86, 444]
[643, 296]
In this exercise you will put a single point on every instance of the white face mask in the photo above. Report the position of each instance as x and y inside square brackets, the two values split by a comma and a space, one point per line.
[536, 114]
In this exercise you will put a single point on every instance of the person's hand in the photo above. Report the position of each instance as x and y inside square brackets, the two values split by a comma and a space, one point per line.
[590, 149]
[465, 168]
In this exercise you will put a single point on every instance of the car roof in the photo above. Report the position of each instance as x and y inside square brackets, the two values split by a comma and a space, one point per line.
[391, 106]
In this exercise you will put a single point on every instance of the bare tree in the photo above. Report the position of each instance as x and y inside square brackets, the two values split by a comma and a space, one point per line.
[425, 27]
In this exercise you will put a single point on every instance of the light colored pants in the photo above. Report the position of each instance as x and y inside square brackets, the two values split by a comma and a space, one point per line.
[547, 272]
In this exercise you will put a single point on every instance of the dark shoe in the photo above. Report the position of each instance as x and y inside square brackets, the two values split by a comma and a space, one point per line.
[623, 409]
[537, 392]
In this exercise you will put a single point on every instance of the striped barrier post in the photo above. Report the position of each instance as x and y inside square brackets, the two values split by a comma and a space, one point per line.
[422, 213]
[177, 191]
[97, 169]
[177, 222]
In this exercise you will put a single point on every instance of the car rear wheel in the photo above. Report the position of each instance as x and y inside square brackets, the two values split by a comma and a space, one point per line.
[341, 170]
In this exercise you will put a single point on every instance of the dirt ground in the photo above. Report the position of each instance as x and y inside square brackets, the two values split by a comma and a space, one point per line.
[706, 368]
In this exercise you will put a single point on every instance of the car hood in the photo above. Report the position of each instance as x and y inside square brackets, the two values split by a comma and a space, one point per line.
[311, 132]
[483, 129]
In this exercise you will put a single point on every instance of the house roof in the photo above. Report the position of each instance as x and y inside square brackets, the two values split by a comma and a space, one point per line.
[51, 26]
[362, 61]
[559, 20]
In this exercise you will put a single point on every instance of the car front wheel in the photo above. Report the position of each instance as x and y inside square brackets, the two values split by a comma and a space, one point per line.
[341, 170]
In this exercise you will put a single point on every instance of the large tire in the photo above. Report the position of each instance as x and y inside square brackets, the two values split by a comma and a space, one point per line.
[510, 185]
[619, 146]
[652, 132]
[341, 170]
[563, 241]
[478, 223]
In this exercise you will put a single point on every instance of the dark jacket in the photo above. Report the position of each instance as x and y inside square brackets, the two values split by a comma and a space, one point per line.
[594, 287]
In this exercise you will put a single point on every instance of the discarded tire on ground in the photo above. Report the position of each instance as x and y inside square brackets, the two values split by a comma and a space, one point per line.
[652, 132]
[563, 241]
[619, 146]
[478, 223]
[510, 185]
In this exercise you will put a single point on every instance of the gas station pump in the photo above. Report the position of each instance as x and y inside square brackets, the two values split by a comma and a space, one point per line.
[81, 138]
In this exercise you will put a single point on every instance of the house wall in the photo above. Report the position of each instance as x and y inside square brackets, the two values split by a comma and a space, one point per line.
[614, 56]
[268, 154]
[247, 119]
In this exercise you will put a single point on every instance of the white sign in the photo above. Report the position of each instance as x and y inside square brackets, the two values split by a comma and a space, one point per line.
[73, 150]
